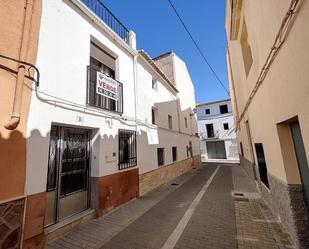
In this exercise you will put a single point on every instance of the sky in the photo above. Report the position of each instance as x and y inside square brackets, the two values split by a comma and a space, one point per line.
[158, 30]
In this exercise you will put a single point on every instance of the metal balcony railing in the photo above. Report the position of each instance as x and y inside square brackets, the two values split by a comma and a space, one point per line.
[107, 16]
[100, 101]
[214, 135]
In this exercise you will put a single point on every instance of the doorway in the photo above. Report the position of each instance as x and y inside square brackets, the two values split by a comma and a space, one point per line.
[216, 150]
[301, 157]
[68, 173]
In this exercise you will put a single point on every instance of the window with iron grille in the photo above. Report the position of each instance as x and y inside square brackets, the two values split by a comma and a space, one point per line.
[174, 153]
[102, 62]
[127, 149]
[160, 154]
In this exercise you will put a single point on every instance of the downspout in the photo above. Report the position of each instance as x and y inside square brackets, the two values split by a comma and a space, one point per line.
[15, 116]
[135, 85]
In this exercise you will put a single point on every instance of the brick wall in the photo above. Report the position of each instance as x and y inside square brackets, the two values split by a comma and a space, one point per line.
[155, 178]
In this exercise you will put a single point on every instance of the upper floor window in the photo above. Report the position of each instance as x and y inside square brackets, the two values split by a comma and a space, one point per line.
[226, 126]
[103, 90]
[127, 149]
[186, 123]
[246, 49]
[170, 122]
[223, 109]
[207, 111]
[154, 84]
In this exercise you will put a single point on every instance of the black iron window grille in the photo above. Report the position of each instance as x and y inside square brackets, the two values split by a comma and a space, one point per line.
[174, 153]
[160, 154]
[100, 101]
[127, 149]
[106, 16]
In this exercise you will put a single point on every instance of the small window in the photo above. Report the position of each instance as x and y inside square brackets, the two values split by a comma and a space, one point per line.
[170, 122]
[174, 153]
[226, 126]
[127, 149]
[241, 149]
[246, 49]
[186, 122]
[262, 164]
[154, 84]
[153, 115]
[207, 111]
[160, 154]
[223, 109]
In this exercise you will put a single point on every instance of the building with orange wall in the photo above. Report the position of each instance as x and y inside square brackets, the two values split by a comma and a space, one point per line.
[20, 21]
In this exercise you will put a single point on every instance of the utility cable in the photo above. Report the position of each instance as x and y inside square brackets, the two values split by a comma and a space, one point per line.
[198, 48]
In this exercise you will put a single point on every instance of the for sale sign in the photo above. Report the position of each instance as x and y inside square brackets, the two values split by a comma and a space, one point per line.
[106, 86]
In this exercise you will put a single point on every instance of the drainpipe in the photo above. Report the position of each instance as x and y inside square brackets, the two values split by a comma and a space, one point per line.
[15, 116]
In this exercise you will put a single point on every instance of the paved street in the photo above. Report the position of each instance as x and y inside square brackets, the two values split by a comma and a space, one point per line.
[215, 206]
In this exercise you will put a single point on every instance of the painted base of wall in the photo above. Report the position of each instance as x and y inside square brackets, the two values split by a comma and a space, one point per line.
[249, 167]
[116, 189]
[150, 180]
[289, 203]
[11, 219]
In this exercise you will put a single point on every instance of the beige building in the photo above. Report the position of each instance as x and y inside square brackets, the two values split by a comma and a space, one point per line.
[268, 57]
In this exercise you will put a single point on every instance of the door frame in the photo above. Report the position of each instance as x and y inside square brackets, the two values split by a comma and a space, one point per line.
[60, 149]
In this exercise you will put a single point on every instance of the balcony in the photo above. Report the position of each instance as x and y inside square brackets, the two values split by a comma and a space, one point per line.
[105, 99]
[213, 135]
[107, 17]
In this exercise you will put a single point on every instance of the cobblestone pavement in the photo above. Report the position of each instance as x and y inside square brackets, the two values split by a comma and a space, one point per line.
[208, 209]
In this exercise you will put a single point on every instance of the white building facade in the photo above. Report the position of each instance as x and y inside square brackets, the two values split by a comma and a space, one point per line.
[217, 131]
[106, 122]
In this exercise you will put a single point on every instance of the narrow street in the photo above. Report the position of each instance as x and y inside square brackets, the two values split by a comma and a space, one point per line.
[197, 210]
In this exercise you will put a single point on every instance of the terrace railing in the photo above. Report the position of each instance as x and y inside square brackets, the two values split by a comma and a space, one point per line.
[107, 16]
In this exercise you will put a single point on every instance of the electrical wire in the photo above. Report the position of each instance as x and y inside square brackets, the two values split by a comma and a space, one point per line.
[198, 48]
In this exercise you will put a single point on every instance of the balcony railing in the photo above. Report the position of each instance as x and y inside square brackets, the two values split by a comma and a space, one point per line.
[214, 135]
[100, 101]
[106, 16]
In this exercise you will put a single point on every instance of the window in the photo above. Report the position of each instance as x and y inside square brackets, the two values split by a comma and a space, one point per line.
[207, 111]
[187, 147]
[127, 149]
[174, 153]
[170, 122]
[101, 61]
[226, 126]
[223, 109]
[241, 149]
[153, 115]
[186, 122]
[210, 130]
[246, 49]
[262, 164]
[160, 154]
[154, 84]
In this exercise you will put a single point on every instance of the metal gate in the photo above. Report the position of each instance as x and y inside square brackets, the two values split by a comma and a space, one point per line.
[68, 173]
[216, 150]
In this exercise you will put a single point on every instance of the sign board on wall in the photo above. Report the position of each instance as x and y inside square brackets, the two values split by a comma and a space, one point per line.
[106, 86]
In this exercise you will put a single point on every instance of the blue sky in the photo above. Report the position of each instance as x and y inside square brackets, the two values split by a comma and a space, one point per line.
[158, 30]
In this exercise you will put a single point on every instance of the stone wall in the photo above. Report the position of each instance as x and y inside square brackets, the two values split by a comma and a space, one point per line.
[155, 178]
[287, 201]
[11, 218]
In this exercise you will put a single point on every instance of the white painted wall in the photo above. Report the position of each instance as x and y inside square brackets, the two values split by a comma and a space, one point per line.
[63, 57]
[218, 120]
